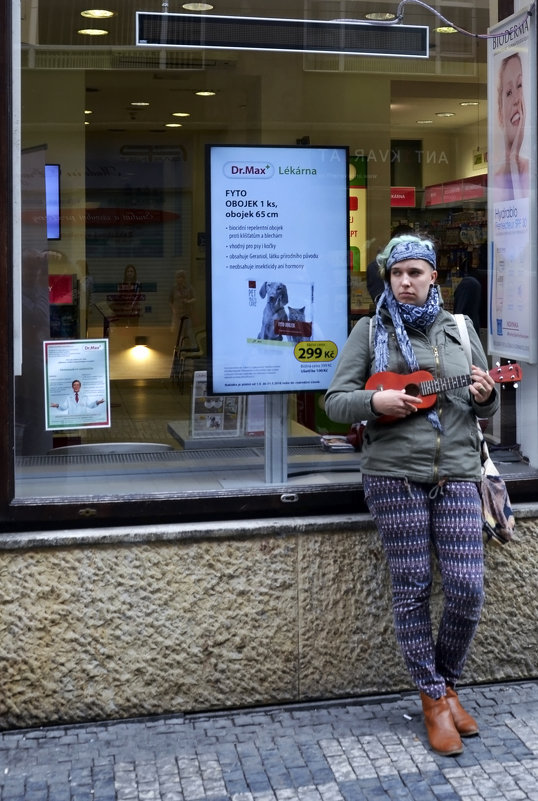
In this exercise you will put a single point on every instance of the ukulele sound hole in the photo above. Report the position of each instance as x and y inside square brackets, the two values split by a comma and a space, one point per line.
[412, 389]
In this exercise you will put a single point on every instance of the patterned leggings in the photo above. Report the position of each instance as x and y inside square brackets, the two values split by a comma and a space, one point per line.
[411, 518]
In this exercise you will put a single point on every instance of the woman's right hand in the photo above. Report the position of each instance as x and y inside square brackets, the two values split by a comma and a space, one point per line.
[394, 403]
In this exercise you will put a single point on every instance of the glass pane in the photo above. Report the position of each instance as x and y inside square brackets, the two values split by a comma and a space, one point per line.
[114, 233]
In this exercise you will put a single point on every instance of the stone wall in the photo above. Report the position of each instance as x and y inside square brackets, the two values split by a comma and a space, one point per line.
[116, 623]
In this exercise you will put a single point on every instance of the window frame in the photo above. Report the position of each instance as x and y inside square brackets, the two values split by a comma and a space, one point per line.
[7, 432]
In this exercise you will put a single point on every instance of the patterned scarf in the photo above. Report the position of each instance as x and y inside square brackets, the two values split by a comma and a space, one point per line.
[420, 317]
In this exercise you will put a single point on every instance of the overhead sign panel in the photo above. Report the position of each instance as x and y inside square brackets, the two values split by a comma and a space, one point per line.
[285, 35]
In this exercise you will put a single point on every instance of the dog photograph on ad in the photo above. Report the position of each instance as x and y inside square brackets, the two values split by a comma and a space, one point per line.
[286, 310]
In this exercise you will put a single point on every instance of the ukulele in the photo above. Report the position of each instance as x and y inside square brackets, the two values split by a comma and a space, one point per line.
[422, 384]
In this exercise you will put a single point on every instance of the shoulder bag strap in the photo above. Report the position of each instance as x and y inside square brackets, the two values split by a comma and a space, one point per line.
[464, 334]
[371, 335]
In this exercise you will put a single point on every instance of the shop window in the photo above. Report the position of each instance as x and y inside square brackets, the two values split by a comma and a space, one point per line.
[113, 304]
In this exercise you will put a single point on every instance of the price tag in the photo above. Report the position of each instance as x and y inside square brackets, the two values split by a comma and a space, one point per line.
[315, 351]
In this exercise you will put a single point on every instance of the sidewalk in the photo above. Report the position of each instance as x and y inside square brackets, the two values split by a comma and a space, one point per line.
[366, 749]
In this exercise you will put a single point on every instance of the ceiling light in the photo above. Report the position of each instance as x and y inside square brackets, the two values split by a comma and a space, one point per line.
[204, 93]
[444, 114]
[424, 122]
[381, 16]
[469, 103]
[139, 103]
[180, 114]
[445, 29]
[197, 6]
[173, 125]
[87, 111]
[86, 122]
[97, 13]
[92, 32]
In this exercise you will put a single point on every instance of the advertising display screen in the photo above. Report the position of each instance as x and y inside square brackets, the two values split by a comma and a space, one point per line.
[278, 260]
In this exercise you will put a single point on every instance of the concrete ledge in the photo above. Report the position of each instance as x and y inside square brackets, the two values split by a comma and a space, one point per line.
[182, 532]
[148, 620]
[187, 532]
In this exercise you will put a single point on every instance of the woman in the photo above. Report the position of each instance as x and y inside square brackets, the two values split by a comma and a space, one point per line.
[511, 179]
[181, 300]
[126, 303]
[420, 473]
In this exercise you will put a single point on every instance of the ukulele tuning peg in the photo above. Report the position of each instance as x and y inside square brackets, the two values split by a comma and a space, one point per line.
[516, 385]
[497, 364]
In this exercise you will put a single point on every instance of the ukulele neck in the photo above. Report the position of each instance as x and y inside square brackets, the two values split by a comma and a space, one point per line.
[444, 384]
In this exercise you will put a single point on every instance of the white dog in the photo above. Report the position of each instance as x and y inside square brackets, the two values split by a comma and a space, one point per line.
[277, 297]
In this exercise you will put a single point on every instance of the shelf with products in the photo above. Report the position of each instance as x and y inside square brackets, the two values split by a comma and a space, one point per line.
[460, 234]
[461, 249]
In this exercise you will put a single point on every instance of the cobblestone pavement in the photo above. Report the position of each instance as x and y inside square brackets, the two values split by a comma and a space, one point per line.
[365, 749]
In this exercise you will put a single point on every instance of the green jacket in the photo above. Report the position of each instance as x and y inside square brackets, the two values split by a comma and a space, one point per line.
[412, 448]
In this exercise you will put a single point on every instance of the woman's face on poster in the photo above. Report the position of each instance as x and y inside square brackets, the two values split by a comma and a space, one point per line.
[511, 97]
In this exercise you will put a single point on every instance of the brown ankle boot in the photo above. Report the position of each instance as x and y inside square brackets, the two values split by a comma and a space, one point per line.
[442, 733]
[464, 723]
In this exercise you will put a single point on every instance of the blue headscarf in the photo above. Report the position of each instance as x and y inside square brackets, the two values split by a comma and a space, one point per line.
[409, 247]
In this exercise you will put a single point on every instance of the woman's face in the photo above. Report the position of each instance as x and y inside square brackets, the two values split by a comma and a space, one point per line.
[410, 281]
[130, 274]
[511, 97]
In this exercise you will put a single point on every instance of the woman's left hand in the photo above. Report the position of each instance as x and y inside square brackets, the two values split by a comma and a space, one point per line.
[482, 385]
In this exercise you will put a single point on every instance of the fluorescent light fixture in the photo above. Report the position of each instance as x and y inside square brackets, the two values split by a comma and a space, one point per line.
[380, 16]
[469, 103]
[92, 32]
[424, 122]
[197, 6]
[180, 114]
[205, 93]
[173, 125]
[140, 103]
[445, 29]
[445, 114]
[97, 13]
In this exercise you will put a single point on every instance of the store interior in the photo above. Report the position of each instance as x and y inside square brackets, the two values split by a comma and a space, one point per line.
[128, 127]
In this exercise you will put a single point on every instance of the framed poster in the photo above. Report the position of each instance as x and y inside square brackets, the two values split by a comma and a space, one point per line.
[512, 221]
[278, 223]
[214, 415]
[77, 386]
